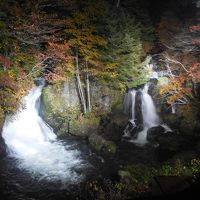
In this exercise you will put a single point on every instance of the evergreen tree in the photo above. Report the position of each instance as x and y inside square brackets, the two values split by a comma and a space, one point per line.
[123, 52]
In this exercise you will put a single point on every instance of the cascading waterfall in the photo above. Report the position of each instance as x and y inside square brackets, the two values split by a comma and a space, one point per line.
[129, 103]
[34, 144]
[150, 117]
[148, 112]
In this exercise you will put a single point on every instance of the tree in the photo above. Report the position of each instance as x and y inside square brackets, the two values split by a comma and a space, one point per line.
[122, 54]
[30, 39]
[183, 80]
[118, 2]
[180, 60]
[84, 36]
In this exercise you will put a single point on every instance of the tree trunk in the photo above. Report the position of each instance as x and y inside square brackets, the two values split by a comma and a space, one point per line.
[87, 87]
[194, 87]
[118, 2]
[80, 89]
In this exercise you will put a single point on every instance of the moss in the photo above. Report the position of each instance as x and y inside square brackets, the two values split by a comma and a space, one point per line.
[100, 144]
[117, 107]
[139, 173]
[52, 102]
[170, 118]
[143, 174]
[62, 109]
[117, 111]
[83, 126]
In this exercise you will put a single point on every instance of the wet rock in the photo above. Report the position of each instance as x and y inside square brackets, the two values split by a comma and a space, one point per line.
[112, 132]
[102, 145]
[2, 148]
[155, 132]
[138, 108]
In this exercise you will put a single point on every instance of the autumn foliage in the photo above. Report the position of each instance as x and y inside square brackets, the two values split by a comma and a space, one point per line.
[5, 62]
[39, 38]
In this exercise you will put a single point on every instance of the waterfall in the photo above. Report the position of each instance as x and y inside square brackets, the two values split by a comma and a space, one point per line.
[147, 110]
[173, 109]
[34, 144]
[129, 103]
[150, 117]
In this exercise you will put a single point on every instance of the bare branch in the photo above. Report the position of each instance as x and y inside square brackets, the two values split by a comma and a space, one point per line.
[170, 60]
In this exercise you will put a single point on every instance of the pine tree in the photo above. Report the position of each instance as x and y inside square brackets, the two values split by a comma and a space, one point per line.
[122, 54]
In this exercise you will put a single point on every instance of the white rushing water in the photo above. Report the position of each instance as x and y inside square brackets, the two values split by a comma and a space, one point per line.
[34, 144]
[148, 111]
[150, 117]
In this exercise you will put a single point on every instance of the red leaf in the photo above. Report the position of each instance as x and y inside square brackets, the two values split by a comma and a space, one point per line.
[5, 62]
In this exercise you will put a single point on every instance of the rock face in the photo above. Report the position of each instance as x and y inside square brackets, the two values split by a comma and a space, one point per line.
[61, 107]
[2, 117]
[138, 108]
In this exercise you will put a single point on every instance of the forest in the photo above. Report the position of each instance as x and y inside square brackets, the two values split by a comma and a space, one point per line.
[94, 56]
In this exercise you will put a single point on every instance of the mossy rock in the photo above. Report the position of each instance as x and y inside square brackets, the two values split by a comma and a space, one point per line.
[136, 174]
[171, 118]
[117, 115]
[102, 145]
[85, 126]
[188, 127]
[117, 108]
[61, 107]
[74, 123]
[189, 119]
[125, 176]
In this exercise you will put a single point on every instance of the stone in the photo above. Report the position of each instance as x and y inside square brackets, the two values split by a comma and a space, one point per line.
[166, 185]
[61, 107]
[102, 145]
[154, 132]
[125, 176]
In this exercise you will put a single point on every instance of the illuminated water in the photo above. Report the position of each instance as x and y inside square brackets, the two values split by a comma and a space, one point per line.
[35, 145]
[148, 111]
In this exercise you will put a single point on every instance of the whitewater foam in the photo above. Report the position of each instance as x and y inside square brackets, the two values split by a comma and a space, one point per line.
[32, 141]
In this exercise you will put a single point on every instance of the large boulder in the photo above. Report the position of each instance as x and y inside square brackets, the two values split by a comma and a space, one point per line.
[155, 132]
[102, 145]
[61, 107]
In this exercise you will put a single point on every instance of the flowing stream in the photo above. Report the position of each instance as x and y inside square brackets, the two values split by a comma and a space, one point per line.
[35, 145]
[40, 166]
